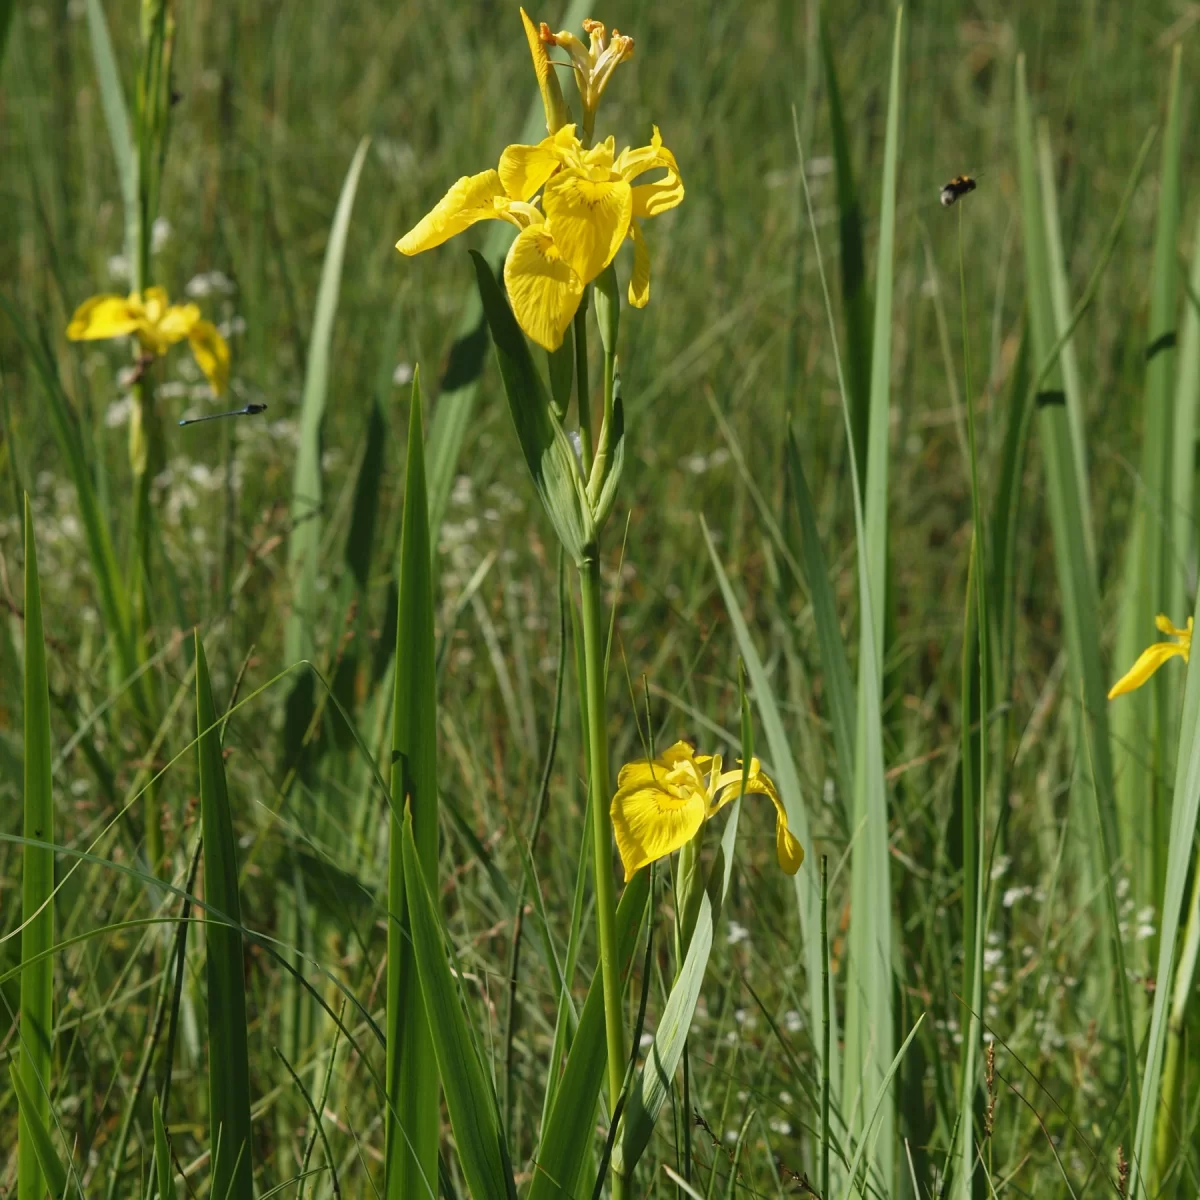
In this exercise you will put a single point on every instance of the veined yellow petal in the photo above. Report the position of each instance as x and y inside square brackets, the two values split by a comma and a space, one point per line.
[639, 281]
[469, 200]
[211, 352]
[543, 290]
[649, 823]
[524, 169]
[177, 322]
[589, 219]
[1148, 662]
[102, 317]
[552, 97]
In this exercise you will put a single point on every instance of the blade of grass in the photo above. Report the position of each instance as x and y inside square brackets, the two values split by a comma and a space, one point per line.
[230, 1130]
[787, 780]
[53, 1176]
[37, 894]
[116, 117]
[567, 1134]
[1144, 720]
[856, 299]
[470, 1101]
[162, 1154]
[307, 495]
[869, 1029]
[1075, 573]
[838, 682]
[1184, 811]
[1061, 307]
[412, 1119]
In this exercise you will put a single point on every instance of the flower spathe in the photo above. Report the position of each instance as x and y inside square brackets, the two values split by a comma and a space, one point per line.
[157, 325]
[661, 804]
[1154, 656]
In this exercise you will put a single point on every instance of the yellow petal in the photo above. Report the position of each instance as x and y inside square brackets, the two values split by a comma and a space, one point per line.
[650, 199]
[469, 200]
[787, 849]
[589, 219]
[649, 823]
[211, 352]
[600, 157]
[102, 317]
[639, 281]
[177, 322]
[1148, 662]
[552, 97]
[524, 169]
[543, 290]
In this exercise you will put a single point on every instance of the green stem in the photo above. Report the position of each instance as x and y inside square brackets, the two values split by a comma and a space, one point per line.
[602, 838]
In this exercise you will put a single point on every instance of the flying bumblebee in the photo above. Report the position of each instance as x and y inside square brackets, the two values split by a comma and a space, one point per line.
[956, 189]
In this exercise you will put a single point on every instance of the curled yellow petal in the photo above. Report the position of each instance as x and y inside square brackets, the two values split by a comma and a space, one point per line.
[469, 200]
[211, 352]
[524, 169]
[650, 199]
[177, 322]
[589, 219]
[552, 97]
[542, 288]
[639, 281]
[788, 850]
[649, 823]
[1148, 662]
[102, 317]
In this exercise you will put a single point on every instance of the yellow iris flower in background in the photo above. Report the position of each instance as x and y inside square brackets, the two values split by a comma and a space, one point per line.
[588, 207]
[660, 805]
[1154, 656]
[157, 325]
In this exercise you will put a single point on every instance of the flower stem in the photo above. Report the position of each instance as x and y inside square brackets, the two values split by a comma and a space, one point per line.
[602, 841]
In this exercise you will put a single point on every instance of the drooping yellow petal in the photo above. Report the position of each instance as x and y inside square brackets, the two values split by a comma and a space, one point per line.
[177, 322]
[524, 169]
[1163, 624]
[102, 317]
[211, 352]
[639, 281]
[1148, 662]
[542, 288]
[650, 199]
[649, 823]
[469, 200]
[589, 219]
[728, 786]
[552, 97]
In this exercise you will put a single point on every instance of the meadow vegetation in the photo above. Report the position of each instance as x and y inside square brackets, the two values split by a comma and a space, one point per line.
[312, 718]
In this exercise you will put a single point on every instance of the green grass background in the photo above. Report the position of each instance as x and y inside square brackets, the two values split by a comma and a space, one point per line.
[272, 102]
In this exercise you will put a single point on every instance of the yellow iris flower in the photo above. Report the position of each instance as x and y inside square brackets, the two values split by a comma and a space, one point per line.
[157, 325]
[660, 805]
[1154, 656]
[588, 207]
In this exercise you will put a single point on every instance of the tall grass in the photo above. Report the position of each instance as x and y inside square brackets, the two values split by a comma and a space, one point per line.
[406, 967]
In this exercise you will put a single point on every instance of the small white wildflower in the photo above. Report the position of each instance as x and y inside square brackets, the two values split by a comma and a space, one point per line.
[209, 283]
[992, 958]
[793, 1022]
[232, 328]
[160, 234]
[1143, 932]
[697, 464]
[646, 1041]
[117, 413]
[402, 374]
[1001, 865]
[1012, 895]
[736, 933]
[780, 1126]
[463, 490]
[785, 1097]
